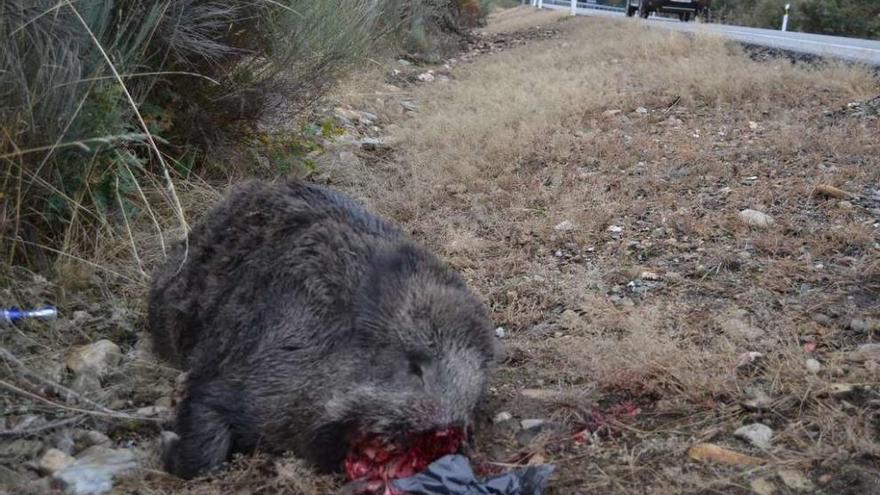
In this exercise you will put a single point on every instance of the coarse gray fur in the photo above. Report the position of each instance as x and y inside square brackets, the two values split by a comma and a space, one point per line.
[302, 318]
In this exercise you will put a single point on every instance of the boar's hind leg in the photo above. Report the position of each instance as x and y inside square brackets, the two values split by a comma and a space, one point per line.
[205, 434]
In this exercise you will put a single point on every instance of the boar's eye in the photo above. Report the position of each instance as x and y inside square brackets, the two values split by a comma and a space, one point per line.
[415, 368]
[417, 362]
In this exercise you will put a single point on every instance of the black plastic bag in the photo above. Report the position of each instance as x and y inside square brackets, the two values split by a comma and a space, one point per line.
[452, 475]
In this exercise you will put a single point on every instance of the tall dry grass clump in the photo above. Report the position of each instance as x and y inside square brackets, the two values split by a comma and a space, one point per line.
[104, 105]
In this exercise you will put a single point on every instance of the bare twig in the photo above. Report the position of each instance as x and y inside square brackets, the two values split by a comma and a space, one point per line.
[98, 409]
[285, 7]
[141, 74]
[77, 258]
[149, 210]
[81, 144]
[105, 413]
[39, 429]
[134, 250]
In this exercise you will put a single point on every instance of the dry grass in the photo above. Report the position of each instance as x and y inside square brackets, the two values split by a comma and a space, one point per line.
[520, 19]
[521, 141]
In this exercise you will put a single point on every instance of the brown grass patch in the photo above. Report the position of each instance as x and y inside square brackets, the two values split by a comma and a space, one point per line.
[520, 19]
[527, 139]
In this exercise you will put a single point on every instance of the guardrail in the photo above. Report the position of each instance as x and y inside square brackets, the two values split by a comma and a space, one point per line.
[585, 5]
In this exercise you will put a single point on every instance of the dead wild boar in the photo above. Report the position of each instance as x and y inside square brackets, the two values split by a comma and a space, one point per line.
[306, 322]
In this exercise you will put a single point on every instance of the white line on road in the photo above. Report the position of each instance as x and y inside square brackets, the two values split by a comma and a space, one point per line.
[798, 40]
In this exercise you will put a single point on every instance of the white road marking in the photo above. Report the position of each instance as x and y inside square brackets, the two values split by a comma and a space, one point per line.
[799, 40]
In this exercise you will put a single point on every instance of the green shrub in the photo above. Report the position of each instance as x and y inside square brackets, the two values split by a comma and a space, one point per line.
[858, 18]
[62, 117]
[754, 13]
[75, 157]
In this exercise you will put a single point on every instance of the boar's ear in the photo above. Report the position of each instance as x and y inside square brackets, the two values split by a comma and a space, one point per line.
[396, 262]
[390, 268]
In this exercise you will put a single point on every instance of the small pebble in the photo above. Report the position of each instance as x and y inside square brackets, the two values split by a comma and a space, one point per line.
[756, 434]
[754, 218]
[528, 424]
[564, 226]
[795, 480]
[763, 486]
[502, 417]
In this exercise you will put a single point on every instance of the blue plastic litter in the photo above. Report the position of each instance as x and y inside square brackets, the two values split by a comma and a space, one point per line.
[14, 314]
[452, 475]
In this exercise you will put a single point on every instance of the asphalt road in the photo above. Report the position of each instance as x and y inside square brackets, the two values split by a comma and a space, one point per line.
[852, 49]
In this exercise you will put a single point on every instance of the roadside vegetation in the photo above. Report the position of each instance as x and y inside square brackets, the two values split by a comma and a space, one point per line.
[104, 106]
[856, 18]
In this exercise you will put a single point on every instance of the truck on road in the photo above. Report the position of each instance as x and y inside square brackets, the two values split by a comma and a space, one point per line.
[686, 9]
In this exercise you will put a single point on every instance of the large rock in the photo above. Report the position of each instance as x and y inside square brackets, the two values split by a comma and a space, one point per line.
[55, 460]
[89, 362]
[94, 470]
[94, 359]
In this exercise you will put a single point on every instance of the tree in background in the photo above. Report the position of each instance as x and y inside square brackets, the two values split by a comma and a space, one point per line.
[754, 13]
[857, 18]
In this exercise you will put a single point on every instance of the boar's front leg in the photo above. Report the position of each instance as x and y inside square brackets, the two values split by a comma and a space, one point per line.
[205, 425]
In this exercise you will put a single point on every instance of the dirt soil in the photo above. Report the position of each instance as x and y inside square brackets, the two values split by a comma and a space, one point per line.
[676, 241]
